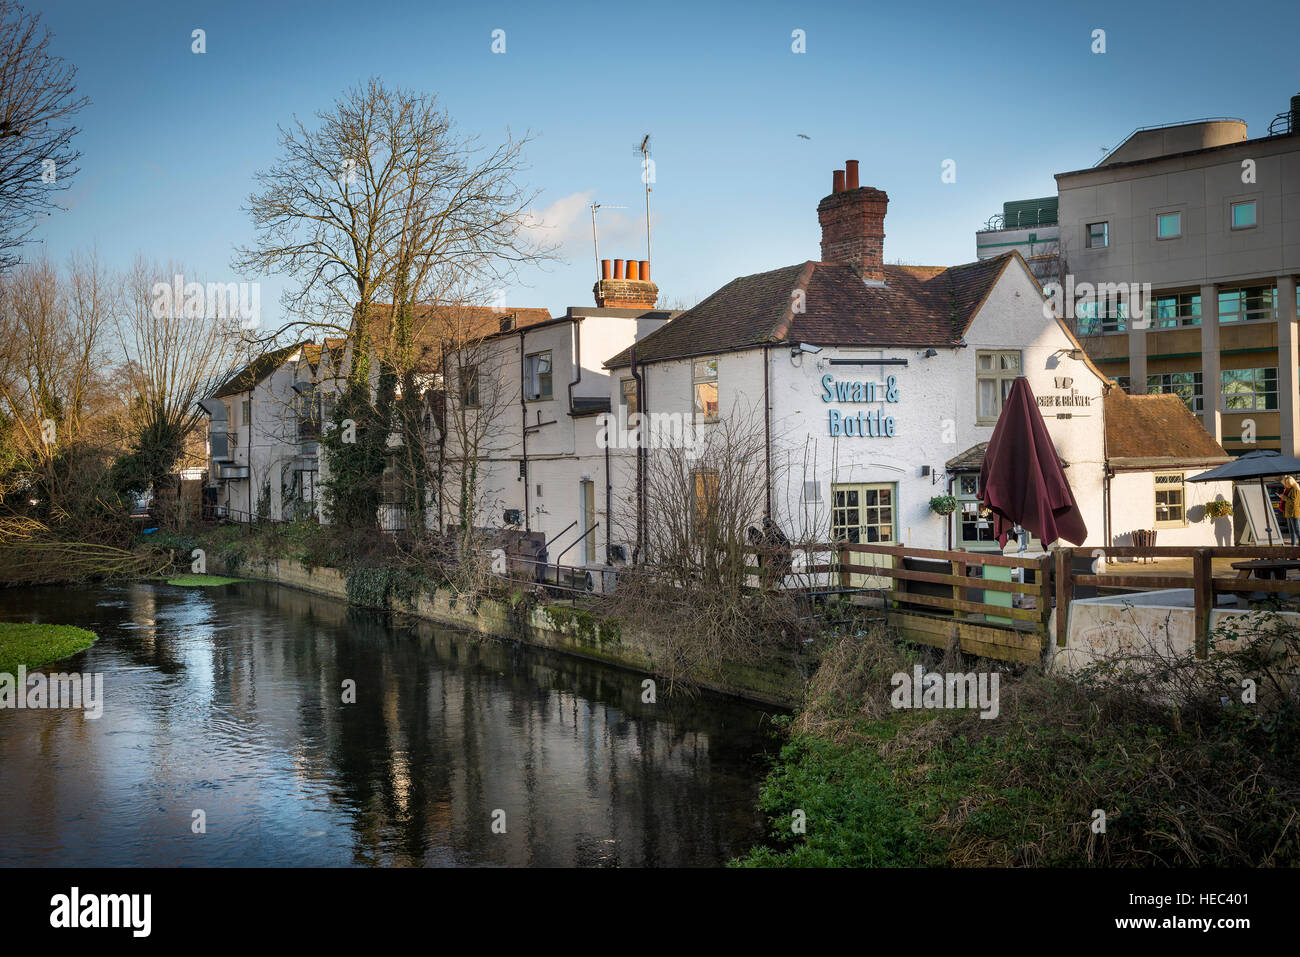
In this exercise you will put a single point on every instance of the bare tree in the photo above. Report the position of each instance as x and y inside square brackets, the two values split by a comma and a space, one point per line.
[708, 588]
[384, 204]
[37, 102]
[56, 408]
[176, 354]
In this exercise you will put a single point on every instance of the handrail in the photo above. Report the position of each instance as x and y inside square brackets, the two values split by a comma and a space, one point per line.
[570, 545]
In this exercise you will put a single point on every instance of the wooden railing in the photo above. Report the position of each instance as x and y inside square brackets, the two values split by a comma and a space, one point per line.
[1204, 585]
[965, 613]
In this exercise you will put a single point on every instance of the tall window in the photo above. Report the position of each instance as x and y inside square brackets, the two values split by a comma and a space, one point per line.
[1098, 235]
[537, 375]
[1169, 225]
[1188, 386]
[1176, 309]
[1248, 303]
[469, 387]
[1243, 215]
[705, 384]
[706, 497]
[972, 528]
[1249, 390]
[627, 395]
[994, 374]
[1171, 503]
[246, 412]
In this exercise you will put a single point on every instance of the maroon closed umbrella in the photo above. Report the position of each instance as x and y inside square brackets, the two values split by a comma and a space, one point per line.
[1022, 481]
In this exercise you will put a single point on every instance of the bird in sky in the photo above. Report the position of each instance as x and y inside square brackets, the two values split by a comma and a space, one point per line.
[803, 136]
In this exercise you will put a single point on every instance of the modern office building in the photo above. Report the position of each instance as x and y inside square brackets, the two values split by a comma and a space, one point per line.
[1026, 226]
[1178, 257]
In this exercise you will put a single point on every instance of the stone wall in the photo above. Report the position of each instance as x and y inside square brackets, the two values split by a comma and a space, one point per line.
[779, 680]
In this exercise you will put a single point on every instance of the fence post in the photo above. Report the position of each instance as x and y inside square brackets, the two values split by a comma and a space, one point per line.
[1045, 597]
[1203, 589]
[844, 561]
[1063, 593]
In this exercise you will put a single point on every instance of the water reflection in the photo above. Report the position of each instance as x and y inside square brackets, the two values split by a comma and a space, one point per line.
[230, 701]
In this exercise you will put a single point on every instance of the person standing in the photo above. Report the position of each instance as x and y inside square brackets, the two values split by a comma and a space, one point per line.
[1291, 508]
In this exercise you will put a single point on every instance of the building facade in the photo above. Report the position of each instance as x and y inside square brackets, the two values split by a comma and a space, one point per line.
[871, 388]
[1199, 224]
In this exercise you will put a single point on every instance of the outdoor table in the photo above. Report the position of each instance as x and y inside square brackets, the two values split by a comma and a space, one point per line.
[1265, 568]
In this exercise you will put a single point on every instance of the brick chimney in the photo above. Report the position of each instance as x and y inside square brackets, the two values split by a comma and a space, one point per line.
[625, 288]
[852, 218]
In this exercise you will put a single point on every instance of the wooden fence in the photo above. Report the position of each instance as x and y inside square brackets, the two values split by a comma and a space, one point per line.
[1000, 606]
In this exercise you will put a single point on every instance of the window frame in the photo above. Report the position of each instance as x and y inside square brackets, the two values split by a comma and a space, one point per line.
[1182, 499]
[1105, 235]
[997, 375]
[1260, 377]
[1254, 214]
[1170, 387]
[699, 409]
[1245, 314]
[626, 396]
[468, 386]
[1183, 315]
[533, 376]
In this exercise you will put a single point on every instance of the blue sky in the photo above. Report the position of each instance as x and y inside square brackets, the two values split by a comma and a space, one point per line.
[1011, 92]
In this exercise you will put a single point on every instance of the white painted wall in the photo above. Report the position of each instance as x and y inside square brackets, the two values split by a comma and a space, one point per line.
[1133, 506]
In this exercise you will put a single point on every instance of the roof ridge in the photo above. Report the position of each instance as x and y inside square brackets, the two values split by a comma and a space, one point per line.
[783, 324]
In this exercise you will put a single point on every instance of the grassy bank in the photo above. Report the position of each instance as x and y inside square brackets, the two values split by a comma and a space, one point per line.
[32, 645]
[201, 581]
[1202, 783]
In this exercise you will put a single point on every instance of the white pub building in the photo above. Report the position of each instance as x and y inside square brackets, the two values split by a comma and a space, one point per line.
[875, 386]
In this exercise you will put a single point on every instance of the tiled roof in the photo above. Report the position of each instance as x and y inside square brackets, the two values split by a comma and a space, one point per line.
[972, 460]
[434, 326]
[917, 306]
[248, 377]
[1155, 430]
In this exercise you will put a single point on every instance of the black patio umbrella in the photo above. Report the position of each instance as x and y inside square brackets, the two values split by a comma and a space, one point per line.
[1260, 464]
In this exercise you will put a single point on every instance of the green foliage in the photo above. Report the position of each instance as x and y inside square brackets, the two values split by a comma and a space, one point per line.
[943, 504]
[352, 491]
[375, 586]
[1184, 780]
[201, 581]
[855, 813]
[33, 645]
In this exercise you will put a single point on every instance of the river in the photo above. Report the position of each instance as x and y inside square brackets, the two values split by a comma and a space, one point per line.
[225, 740]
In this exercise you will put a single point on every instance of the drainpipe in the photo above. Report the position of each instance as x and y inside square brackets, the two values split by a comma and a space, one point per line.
[609, 496]
[954, 517]
[577, 359]
[767, 435]
[639, 378]
[523, 430]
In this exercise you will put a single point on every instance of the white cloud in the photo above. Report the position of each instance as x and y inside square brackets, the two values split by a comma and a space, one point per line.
[567, 224]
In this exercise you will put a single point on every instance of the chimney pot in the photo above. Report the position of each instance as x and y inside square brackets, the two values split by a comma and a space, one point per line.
[853, 228]
[632, 270]
[605, 268]
[618, 269]
[645, 270]
[837, 181]
[851, 174]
